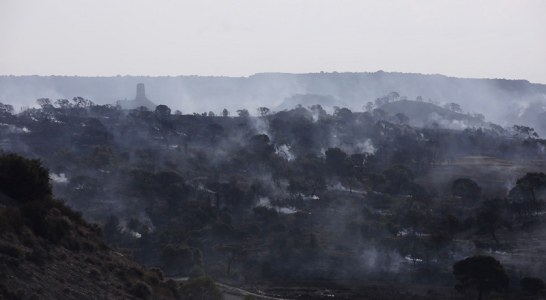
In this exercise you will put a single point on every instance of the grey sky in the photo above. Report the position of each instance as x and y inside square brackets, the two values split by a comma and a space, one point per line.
[464, 38]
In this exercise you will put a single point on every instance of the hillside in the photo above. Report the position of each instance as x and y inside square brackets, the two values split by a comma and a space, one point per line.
[47, 251]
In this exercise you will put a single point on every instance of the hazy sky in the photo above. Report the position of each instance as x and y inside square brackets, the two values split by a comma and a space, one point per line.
[464, 38]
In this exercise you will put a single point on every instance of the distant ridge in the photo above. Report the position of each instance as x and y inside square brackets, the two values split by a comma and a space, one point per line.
[500, 100]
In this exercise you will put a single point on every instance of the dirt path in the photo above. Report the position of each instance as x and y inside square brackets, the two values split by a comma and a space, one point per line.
[234, 293]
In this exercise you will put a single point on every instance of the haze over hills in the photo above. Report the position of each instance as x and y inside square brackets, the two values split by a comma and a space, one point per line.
[505, 102]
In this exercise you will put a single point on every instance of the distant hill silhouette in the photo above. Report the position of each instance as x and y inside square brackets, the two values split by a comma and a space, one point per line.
[501, 101]
[421, 114]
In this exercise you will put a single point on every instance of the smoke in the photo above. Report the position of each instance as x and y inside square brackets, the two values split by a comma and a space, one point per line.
[365, 147]
[379, 260]
[265, 202]
[58, 178]
[283, 151]
[260, 125]
[15, 129]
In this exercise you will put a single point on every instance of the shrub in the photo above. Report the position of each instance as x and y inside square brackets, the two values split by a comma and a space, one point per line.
[45, 222]
[532, 285]
[200, 288]
[37, 256]
[141, 290]
[157, 273]
[23, 179]
[10, 250]
[196, 271]
[94, 273]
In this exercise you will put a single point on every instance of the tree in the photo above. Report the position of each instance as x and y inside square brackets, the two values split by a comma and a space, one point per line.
[263, 111]
[454, 107]
[259, 145]
[466, 188]
[483, 274]
[378, 113]
[6, 109]
[525, 132]
[525, 197]
[243, 113]
[225, 113]
[399, 179]
[215, 130]
[43, 102]
[23, 179]
[111, 230]
[162, 111]
[318, 111]
[491, 218]
[232, 252]
[80, 102]
[401, 118]
[343, 113]
[63, 103]
[336, 161]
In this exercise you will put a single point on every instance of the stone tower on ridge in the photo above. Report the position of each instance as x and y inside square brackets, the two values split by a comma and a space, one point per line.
[140, 99]
[140, 92]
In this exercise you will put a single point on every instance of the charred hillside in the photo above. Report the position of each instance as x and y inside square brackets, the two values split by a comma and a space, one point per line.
[301, 199]
[47, 250]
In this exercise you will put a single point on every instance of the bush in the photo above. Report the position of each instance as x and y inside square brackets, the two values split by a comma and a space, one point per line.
[10, 250]
[38, 256]
[200, 288]
[45, 222]
[532, 285]
[141, 290]
[23, 179]
[156, 272]
[196, 272]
